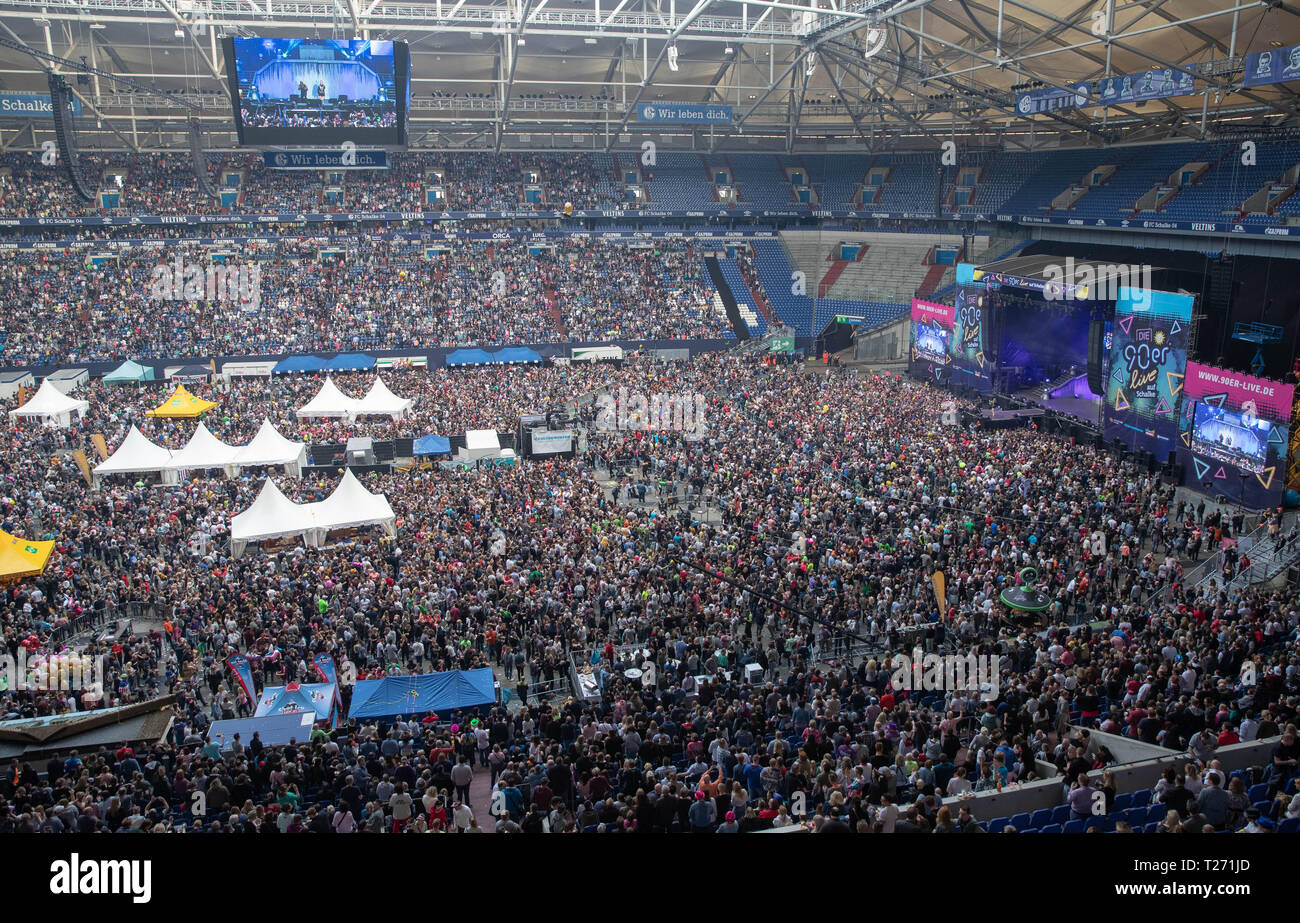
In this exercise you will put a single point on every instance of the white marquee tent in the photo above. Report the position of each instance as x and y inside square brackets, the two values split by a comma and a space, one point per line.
[137, 455]
[268, 447]
[204, 451]
[352, 505]
[379, 401]
[52, 406]
[273, 515]
[329, 402]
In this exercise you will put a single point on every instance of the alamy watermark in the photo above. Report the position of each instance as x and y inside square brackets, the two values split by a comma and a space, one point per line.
[971, 672]
[64, 672]
[193, 282]
[663, 412]
[1075, 281]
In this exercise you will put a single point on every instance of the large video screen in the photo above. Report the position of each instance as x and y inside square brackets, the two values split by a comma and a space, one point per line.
[932, 342]
[311, 91]
[1230, 437]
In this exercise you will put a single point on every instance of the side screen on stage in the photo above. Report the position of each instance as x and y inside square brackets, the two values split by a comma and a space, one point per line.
[1148, 363]
[931, 338]
[310, 91]
[1230, 437]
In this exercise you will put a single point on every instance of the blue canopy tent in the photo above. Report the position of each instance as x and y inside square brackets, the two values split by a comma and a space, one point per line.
[517, 354]
[350, 362]
[272, 730]
[469, 357]
[320, 699]
[428, 692]
[129, 371]
[432, 445]
[301, 364]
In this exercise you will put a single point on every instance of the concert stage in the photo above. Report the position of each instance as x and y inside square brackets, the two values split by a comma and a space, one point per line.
[1005, 419]
[1073, 398]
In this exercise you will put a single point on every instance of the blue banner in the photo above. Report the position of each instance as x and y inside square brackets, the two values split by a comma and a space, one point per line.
[29, 104]
[337, 159]
[683, 113]
[238, 664]
[1273, 66]
[1051, 99]
[324, 665]
[1156, 84]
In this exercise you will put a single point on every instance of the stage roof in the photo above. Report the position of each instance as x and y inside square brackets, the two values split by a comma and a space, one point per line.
[1035, 267]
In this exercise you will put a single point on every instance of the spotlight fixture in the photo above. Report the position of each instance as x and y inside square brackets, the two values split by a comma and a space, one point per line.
[728, 49]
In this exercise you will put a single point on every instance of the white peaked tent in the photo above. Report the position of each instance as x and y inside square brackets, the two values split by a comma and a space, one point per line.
[268, 447]
[203, 451]
[330, 402]
[272, 515]
[52, 406]
[379, 401]
[352, 505]
[137, 455]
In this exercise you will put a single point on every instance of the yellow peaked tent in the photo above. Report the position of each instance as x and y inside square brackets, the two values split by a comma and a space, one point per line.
[182, 404]
[20, 557]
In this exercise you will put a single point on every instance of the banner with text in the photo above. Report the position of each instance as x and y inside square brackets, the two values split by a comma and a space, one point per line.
[1156, 84]
[340, 159]
[931, 338]
[1233, 433]
[1074, 96]
[970, 366]
[683, 113]
[1273, 66]
[1148, 362]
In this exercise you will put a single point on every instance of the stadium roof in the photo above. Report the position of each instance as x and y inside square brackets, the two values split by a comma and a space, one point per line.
[570, 74]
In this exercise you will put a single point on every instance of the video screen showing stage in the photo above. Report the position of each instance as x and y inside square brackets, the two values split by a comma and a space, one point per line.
[932, 342]
[1230, 437]
[308, 91]
[931, 337]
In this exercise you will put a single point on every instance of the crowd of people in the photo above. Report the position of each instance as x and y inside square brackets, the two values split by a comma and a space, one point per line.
[368, 294]
[164, 184]
[739, 597]
[284, 116]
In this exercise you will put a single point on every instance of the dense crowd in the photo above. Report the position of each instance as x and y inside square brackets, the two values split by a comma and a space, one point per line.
[761, 580]
[374, 294]
[164, 184]
[276, 117]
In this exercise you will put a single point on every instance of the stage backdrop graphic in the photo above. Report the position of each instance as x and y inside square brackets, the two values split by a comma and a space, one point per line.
[1234, 425]
[931, 338]
[1148, 361]
[971, 367]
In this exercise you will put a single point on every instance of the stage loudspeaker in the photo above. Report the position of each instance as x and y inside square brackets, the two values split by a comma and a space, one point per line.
[1096, 340]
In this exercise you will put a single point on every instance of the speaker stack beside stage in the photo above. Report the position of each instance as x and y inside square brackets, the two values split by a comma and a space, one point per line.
[1096, 342]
